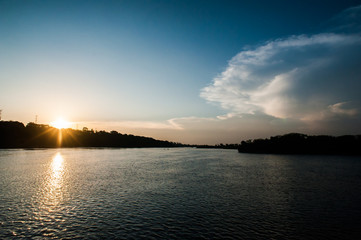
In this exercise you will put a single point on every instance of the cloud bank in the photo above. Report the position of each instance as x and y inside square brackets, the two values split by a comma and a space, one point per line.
[305, 79]
[291, 78]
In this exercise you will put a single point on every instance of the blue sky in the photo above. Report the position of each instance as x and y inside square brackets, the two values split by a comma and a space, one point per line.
[185, 71]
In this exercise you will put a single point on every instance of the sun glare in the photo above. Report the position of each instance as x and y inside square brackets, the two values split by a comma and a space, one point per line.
[60, 124]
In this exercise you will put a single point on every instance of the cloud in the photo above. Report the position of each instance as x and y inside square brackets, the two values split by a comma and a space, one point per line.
[348, 21]
[341, 109]
[310, 83]
[291, 77]
[125, 126]
[335, 111]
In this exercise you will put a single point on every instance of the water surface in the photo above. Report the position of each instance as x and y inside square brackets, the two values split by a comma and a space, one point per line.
[177, 194]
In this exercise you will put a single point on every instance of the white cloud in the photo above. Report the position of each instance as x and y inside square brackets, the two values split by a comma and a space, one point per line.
[335, 111]
[341, 109]
[291, 77]
[302, 83]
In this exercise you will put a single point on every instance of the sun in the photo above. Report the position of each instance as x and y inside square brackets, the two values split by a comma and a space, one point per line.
[60, 123]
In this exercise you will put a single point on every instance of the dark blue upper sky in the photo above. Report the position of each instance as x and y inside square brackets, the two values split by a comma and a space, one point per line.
[214, 29]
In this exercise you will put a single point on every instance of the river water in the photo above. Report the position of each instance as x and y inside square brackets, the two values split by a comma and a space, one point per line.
[180, 193]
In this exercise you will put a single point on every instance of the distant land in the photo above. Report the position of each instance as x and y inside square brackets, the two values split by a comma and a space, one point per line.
[14, 134]
[297, 143]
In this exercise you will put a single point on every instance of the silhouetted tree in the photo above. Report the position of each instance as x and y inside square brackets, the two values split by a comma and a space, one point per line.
[16, 135]
[296, 143]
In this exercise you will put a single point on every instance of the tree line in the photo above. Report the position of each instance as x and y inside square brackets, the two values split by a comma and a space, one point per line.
[296, 143]
[14, 134]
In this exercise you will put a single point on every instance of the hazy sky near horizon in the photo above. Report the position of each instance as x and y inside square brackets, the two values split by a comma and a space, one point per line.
[201, 72]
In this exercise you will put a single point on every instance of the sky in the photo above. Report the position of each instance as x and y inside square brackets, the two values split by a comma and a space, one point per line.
[196, 72]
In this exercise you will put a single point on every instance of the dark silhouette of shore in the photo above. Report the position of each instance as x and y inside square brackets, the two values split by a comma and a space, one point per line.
[296, 143]
[15, 134]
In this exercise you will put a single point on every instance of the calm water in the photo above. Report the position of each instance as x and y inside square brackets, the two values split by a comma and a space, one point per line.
[177, 194]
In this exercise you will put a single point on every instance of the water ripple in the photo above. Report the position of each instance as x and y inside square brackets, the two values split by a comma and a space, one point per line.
[177, 194]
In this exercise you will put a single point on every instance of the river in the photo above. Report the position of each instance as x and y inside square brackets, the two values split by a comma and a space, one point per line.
[177, 193]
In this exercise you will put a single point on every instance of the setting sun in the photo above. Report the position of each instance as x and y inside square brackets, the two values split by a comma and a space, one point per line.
[60, 124]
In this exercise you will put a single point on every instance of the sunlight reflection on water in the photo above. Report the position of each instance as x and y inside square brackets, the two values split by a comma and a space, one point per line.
[177, 194]
[54, 183]
[57, 169]
[50, 196]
